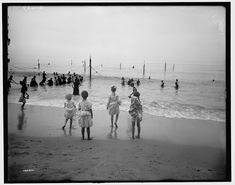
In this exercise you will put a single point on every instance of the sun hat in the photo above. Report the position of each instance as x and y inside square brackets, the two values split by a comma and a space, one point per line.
[68, 96]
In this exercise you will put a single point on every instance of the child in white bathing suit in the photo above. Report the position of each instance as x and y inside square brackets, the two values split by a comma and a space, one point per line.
[113, 105]
[70, 110]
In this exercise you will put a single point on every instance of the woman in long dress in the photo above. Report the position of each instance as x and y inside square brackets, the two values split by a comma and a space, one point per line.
[76, 86]
[24, 94]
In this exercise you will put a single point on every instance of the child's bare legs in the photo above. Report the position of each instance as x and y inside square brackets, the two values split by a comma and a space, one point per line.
[115, 133]
[83, 132]
[112, 120]
[116, 120]
[133, 129]
[22, 106]
[71, 122]
[88, 133]
[66, 119]
[138, 127]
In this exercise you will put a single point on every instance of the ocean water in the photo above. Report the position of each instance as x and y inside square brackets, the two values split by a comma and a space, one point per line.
[197, 97]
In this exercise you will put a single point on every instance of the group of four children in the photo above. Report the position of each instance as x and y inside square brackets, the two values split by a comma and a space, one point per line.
[85, 114]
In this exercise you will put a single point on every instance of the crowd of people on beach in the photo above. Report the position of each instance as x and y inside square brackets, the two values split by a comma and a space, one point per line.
[83, 110]
[130, 81]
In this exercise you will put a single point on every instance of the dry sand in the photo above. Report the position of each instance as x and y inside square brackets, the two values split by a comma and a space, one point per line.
[68, 158]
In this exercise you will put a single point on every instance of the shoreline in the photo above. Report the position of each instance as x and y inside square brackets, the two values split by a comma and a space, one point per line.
[125, 111]
[176, 130]
[201, 132]
[179, 150]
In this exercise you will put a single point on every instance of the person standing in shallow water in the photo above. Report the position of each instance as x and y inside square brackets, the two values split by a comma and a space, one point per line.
[43, 79]
[162, 85]
[76, 86]
[176, 84]
[9, 83]
[123, 81]
[113, 106]
[33, 82]
[10, 79]
[23, 90]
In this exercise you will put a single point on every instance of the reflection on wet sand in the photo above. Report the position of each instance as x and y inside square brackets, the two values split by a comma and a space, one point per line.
[65, 132]
[22, 120]
[113, 133]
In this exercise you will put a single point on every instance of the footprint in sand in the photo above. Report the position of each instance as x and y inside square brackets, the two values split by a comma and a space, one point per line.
[21, 153]
[95, 157]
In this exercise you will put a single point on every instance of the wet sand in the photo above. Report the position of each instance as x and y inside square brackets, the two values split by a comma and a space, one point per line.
[169, 149]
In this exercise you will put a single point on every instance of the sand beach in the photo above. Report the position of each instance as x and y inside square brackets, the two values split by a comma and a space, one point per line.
[169, 149]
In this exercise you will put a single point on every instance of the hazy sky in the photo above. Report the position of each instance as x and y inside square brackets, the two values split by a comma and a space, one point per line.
[117, 34]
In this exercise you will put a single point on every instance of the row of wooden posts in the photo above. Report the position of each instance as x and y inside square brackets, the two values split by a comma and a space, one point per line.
[90, 66]
[84, 65]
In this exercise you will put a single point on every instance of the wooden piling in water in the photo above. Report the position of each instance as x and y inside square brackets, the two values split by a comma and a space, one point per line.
[144, 69]
[90, 67]
[38, 65]
[84, 66]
